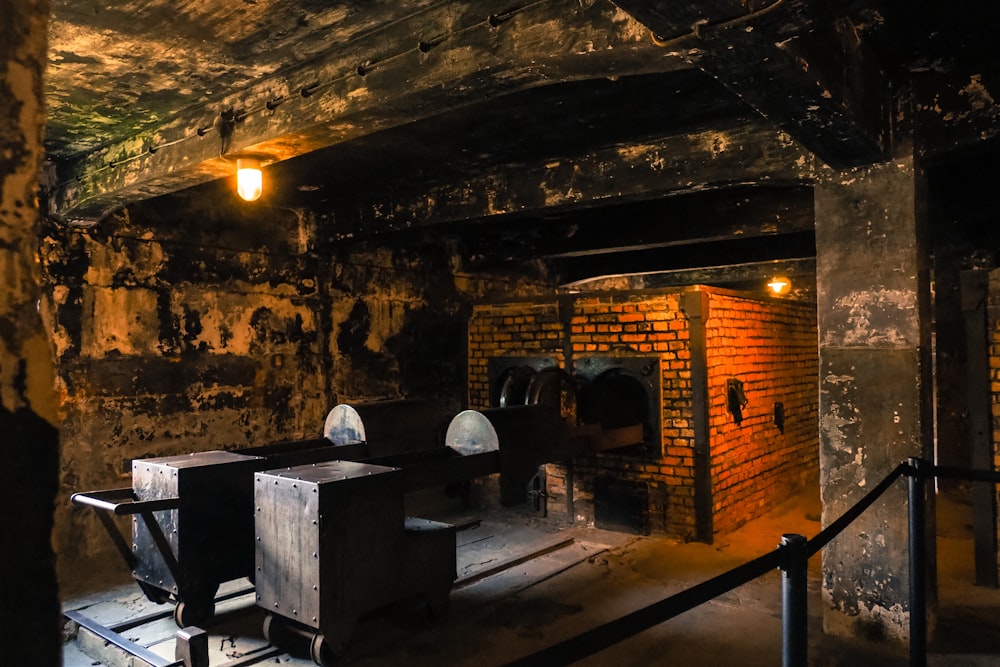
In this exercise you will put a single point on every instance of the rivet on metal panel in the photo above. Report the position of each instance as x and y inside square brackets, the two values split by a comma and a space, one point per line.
[315, 555]
[315, 619]
[258, 597]
[315, 587]
[295, 612]
[275, 605]
[258, 538]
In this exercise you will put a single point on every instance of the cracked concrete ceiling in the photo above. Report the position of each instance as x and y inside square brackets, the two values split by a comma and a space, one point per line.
[373, 107]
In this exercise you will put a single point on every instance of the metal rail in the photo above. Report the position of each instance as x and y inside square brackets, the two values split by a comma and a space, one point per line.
[127, 645]
[792, 557]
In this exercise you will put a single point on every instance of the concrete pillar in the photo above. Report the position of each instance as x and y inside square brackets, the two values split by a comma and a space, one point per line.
[30, 627]
[873, 303]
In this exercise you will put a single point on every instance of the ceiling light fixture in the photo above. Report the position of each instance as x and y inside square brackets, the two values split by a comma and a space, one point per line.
[249, 177]
[779, 285]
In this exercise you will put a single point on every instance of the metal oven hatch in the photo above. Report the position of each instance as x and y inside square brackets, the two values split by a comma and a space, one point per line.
[622, 391]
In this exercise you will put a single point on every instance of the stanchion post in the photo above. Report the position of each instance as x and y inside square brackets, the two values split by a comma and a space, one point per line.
[916, 496]
[794, 601]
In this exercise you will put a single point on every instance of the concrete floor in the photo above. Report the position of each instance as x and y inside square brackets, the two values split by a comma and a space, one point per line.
[600, 576]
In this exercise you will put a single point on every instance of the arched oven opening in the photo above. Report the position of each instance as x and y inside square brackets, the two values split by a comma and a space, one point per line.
[555, 388]
[617, 392]
[509, 378]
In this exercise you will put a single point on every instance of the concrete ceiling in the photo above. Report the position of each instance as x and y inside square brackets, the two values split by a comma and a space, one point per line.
[405, 114]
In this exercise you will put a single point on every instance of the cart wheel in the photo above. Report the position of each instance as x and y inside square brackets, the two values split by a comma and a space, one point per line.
[275, 631]
[152, 593]
[193, 612]
[321, 652]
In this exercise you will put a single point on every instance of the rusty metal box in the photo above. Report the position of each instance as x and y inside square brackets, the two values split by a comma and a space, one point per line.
[328, 537]
[209, 534]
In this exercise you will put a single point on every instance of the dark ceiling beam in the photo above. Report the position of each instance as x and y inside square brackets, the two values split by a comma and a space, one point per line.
[447, 57]
[739, 212]
[796, 62]
[733, 251]
[750, 153]
[955, 112]
[800, 269]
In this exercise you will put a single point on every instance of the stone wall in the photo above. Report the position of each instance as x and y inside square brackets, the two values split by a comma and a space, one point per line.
[193, 322]
[769, 344]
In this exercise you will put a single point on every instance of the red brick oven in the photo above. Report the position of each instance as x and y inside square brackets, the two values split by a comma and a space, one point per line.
[726, 384]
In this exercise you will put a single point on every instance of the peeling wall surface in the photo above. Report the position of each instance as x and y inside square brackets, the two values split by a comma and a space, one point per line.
[193, 323]
[875, 387]
[29, 614]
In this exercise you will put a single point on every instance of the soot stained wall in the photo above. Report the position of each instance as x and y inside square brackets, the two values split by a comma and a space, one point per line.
[29, 445]
[175, 333]
[190, 323]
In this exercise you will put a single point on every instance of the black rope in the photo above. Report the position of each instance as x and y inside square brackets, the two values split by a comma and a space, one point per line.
[827, 534]
[610, 633]
[620, 629]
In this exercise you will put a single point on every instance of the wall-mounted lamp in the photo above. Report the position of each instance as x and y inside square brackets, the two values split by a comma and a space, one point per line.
[249, 177]
[779, 285]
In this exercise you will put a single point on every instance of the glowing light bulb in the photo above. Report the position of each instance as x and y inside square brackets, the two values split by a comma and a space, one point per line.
[779, 285]
[249, 179]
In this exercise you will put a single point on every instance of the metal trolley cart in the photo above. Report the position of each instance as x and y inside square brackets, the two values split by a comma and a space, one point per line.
[333, 543]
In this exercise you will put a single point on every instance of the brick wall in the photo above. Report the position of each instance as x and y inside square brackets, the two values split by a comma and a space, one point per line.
[770, 345]
[520, 329]
[641, 323]
[993, 341]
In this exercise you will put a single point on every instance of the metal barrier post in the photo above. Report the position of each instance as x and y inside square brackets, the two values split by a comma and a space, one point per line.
[794, 601]
[916, 496]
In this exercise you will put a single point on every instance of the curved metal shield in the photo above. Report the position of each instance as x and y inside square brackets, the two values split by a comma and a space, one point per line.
[470, 432]
[344, 426]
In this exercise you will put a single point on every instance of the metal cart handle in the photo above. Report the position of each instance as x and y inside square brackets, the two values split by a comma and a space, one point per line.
[121, 503]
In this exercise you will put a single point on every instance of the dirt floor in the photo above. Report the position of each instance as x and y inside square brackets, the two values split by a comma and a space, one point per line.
[494, 619]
